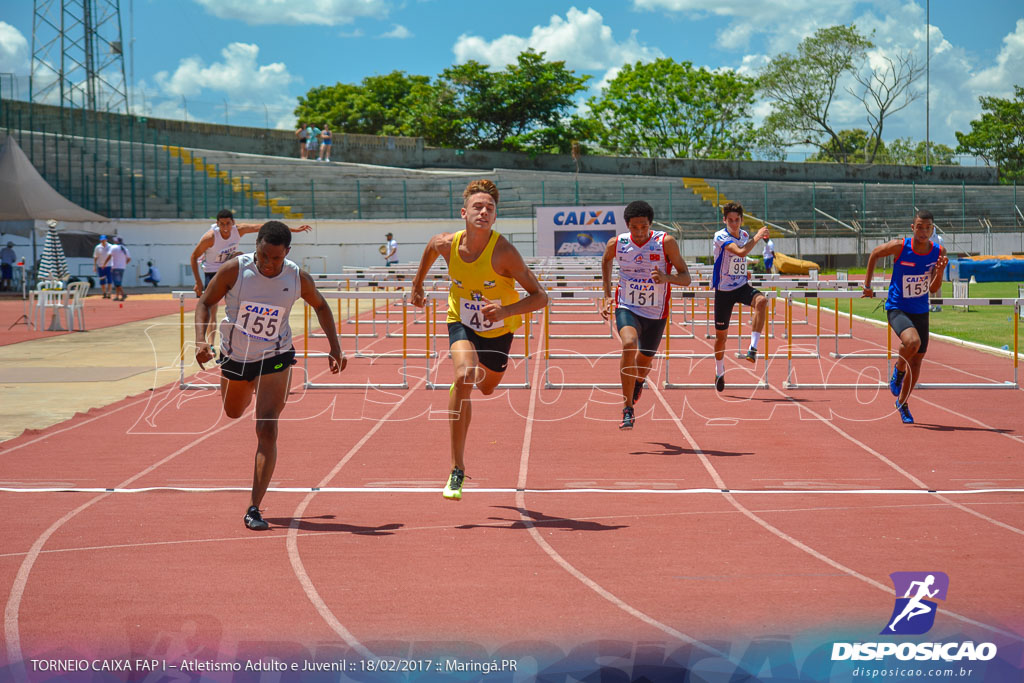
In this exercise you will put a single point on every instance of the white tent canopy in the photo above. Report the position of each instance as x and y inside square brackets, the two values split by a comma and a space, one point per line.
[25, 195]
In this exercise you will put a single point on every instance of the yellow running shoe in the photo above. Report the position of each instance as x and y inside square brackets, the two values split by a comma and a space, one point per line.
[453, 489]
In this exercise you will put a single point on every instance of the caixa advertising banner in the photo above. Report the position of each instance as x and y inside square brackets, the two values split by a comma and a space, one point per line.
[577, 230]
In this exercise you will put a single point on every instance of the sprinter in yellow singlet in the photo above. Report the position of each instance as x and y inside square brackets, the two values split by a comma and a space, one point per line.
[484, 309]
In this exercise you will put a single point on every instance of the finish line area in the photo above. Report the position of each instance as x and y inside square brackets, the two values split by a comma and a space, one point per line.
[777, 508]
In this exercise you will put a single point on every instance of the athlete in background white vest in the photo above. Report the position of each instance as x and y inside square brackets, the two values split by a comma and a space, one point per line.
[256, 341]
[641, 300]
[218, 246]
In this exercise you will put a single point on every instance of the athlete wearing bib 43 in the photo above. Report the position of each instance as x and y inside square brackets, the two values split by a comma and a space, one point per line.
[732, 244]
[256, 342]
[483, 309]
[645, 258]
[918, 263]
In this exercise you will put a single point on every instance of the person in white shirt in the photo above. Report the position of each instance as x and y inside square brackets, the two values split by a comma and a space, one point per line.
[769, 254]
[99, 257]
[118, 259]
[152, 275]
[391, 253]
[731, 246]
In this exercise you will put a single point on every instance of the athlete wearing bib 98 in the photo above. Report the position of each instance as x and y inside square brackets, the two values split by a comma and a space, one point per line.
[645, 258]
[483, 309]
[918, 263]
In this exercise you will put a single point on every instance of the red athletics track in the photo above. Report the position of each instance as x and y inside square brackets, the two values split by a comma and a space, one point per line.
[721, 528]
[99, 313]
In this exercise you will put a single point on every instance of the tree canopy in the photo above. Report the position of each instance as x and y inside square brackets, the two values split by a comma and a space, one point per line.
[998, 136]
[666, 108]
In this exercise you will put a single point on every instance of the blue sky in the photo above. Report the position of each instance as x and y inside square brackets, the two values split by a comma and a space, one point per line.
[254, 57]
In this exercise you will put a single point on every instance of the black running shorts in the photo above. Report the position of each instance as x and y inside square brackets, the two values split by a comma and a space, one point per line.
[248, 371]
[492, 351]
[726, 299]
[901, 320]
[649, 331]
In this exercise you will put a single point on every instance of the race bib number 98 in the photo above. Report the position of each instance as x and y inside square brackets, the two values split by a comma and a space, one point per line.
[915, 285]
[260, 321]
[471, 314]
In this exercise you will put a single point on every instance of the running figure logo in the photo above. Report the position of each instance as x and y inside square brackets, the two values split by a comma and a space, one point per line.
[913, 614]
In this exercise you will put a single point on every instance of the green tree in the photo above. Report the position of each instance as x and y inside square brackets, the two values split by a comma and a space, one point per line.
[854, 144]
[905, 151]
[509, 109]
[378, 106]
[802, 87]
[666, 108]
[998, 136]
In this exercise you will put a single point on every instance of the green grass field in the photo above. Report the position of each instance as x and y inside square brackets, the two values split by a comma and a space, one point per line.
[989, 325]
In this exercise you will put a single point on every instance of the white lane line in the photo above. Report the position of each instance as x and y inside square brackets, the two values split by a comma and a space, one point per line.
[524, 459]
[292, 540]
[11, 612]
[786, 537]
[434, 489]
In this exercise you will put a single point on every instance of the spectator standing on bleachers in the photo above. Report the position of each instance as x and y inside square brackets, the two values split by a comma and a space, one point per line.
[153, 275]
[311, 134]
[7, 260]
[769, 255]
[300, 133]
[99, 258]
[391, 250]
[325, 143]
[118, 259]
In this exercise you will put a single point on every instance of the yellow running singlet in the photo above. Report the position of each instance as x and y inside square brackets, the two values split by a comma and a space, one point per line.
[473, 282]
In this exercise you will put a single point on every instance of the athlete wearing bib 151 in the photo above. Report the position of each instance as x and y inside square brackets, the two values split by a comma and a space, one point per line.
[255, 326]
[637, 291]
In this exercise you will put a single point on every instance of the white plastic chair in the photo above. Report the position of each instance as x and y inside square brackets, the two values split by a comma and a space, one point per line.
[78, 291]
[49, 294]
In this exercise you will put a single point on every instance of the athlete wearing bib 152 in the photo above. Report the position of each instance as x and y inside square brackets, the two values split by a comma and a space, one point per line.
[256, 349]
[483, 309]
[645, 259]
[918, 264]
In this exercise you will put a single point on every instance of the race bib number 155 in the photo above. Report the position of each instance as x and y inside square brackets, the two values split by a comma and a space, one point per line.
[260, 321]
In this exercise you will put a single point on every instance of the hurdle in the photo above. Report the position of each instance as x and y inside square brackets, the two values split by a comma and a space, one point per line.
[1006, 384]
[181, 295]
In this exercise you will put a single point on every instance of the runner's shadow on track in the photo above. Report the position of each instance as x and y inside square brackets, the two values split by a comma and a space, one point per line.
[672, 449]
[306, 524]
[952, 428]
[542, 521]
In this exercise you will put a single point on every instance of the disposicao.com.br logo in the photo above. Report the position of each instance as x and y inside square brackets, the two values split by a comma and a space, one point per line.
[914, 614]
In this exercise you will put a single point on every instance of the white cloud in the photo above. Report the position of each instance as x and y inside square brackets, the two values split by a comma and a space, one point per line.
[14, 51]
[581, 39]
[357, 33]
[298, 12]
[239, 75]
[400, 32]
[1000, 78]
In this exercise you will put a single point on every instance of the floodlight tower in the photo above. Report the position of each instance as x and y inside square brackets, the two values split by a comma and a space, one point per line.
[78, 56]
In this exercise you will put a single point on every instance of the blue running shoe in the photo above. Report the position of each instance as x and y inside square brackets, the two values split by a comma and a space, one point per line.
[627, 418]
[896, 381]
[905, 415]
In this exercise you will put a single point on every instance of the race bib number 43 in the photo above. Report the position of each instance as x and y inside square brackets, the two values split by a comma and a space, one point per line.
[260, 321]
[915, 285]
[471, 314]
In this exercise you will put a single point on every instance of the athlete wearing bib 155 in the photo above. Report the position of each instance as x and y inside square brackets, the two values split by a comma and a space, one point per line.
[918, 262]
